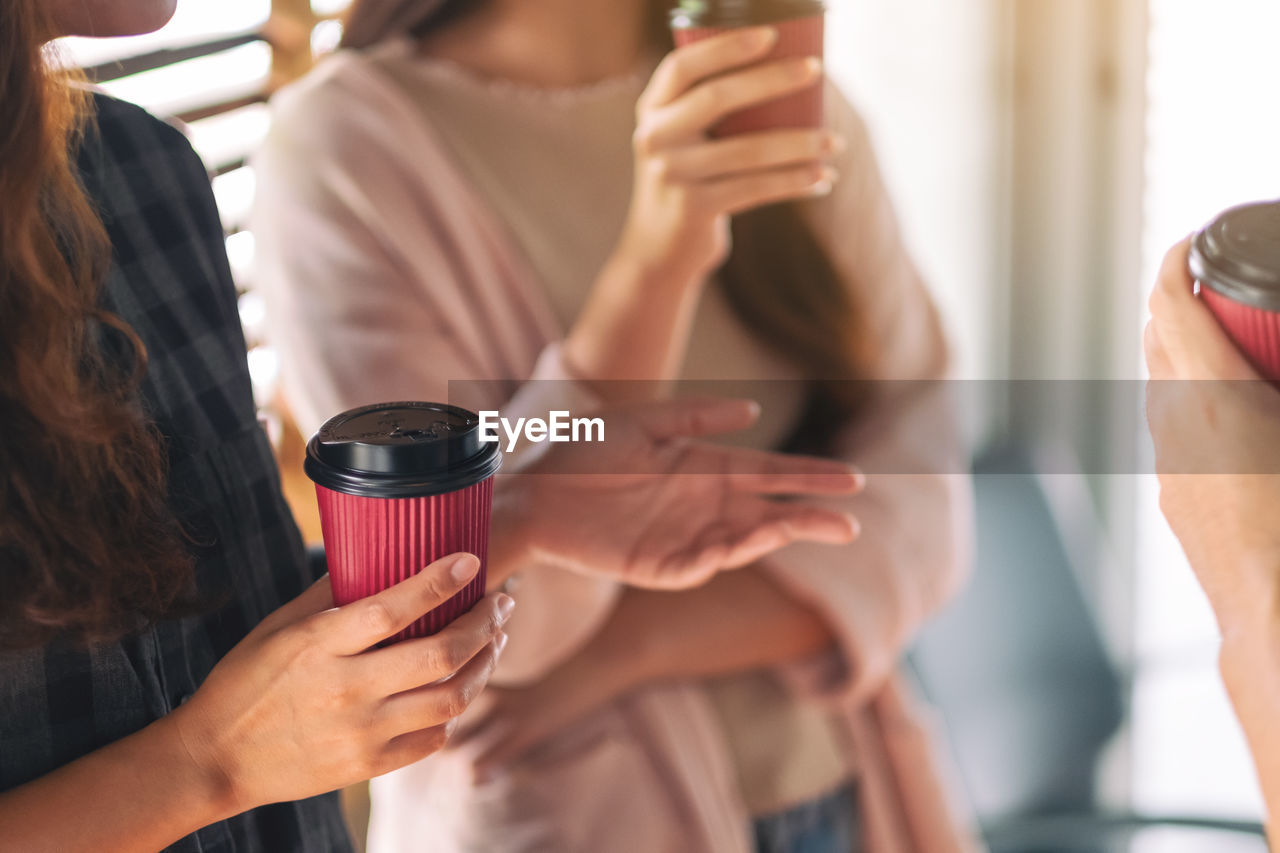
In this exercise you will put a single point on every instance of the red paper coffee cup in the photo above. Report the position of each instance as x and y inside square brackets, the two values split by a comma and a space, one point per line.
[800, 25]
[1236, 259]
[401, 485]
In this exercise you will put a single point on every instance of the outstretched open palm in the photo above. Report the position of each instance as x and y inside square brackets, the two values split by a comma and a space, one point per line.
[654, 507]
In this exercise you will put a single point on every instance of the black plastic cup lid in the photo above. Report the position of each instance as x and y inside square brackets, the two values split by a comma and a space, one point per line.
[741, 13]
[1238, 255]
[401, 450]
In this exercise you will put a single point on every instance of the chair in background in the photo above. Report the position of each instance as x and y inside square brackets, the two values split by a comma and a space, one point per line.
[1029, 695]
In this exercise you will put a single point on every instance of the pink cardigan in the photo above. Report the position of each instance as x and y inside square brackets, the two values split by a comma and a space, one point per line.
[387, 276]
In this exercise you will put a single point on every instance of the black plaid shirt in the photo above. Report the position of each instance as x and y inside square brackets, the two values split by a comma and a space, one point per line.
[172, 284]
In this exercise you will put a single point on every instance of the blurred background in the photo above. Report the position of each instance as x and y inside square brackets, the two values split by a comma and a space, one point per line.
[1043, 155]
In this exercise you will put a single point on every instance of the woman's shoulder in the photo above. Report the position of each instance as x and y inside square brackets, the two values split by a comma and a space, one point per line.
[347, 114]
[128, 133]
[345, 89]
[134, 164]
[112, 115]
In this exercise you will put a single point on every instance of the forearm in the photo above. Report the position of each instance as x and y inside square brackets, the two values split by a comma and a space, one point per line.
[635, 326]
[1250, 664]
[738, 622]
[141, 793]
[510, 537]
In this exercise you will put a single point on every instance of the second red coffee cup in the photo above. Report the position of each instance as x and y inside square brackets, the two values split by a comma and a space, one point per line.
[401, 485]
[801, 27]
[1236, 259]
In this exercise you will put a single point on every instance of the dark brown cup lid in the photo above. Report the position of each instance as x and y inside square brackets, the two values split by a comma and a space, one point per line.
[741, 13]
[1238, 255]
[401, 450]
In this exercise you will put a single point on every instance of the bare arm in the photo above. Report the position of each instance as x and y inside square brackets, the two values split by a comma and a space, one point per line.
[306, 703]
[738, 622]
[1216, 424]
[1250, 664]
[140, 793]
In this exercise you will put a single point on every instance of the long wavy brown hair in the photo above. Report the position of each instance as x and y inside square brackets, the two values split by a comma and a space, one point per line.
[89, 548]
[779, 279]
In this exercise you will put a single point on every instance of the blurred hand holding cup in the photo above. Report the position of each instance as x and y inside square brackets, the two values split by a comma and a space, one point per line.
[1236, 259]
[800, 25]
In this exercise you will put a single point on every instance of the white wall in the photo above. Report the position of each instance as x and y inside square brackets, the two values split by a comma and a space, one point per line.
[924, 74]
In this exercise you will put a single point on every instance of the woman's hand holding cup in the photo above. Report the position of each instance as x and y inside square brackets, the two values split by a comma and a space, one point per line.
[636, 321]
[1216, 426]
[687, 184]
[308, 702]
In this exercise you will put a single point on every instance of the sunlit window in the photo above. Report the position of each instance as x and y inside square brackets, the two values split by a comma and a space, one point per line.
[192, 23]
[325, 8]
[184, 86]
[229, 138]
[211, 69]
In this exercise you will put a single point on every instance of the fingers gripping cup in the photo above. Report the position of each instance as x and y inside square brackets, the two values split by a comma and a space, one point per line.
[1237, 262]
[401, 485]
[800, 25]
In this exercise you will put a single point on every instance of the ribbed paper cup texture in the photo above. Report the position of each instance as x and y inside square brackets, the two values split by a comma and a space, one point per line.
[1255, 331]
[797, 38]
[372, 544]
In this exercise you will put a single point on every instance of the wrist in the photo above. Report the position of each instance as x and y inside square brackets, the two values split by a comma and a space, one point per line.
[202, 766]
[511, 536]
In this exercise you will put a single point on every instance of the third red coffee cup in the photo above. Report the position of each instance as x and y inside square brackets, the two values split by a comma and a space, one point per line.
[1236, 259]
[800, 25]
[401, 485]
